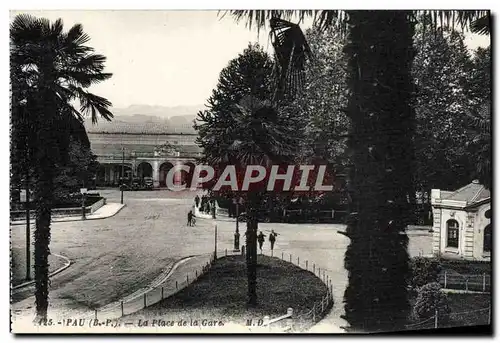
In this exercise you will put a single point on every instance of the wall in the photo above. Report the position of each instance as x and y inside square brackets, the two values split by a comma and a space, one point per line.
[97, 205]
[436, 235]
[480, 222]
[471, 233]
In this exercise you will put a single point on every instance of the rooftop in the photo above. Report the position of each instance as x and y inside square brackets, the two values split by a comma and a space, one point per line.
[472, 193]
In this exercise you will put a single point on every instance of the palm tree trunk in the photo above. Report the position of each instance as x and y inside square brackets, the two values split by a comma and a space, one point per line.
[251, 253]
[28, 232]
[44, 171]
[380, 54]
[43, 201]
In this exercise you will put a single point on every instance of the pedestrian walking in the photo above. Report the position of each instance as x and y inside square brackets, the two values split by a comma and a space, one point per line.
[190, 218]
[197, 200]
[272, 238]
[214, 209]
[261, 239]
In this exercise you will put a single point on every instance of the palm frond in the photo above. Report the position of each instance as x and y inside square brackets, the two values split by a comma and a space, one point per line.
[292, 51]
[93, 104]
[83, 79]
[476, 21]
[327, 19]
[56, 28]
[25, 28]
[76, 35]
[482, 25]
[91, 62]
[259, 18]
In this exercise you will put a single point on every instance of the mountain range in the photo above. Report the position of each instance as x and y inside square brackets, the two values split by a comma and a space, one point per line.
[148, 119]
[157, 111]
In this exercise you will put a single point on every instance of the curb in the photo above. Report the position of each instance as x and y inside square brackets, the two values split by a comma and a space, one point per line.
[462, 291]
[55, 272]
[152, 285]
[76, 219]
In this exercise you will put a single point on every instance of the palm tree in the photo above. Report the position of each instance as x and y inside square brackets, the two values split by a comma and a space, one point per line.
[265, 136]
[50, 70]
[380, 52]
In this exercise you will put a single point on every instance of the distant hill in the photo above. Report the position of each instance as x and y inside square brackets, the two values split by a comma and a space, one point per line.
[148, 119]
[157, 111]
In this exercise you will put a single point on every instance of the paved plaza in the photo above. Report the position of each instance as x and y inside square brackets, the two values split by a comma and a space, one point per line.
[117, 256]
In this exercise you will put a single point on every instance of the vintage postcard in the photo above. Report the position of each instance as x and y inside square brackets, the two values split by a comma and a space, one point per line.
[250, 171]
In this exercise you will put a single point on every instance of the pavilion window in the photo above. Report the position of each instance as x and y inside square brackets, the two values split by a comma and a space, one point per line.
[487, 238]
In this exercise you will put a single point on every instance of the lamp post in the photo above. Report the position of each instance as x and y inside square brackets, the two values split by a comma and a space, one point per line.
[84, 194]
[237, 232]
[215, 249]
[123, 165]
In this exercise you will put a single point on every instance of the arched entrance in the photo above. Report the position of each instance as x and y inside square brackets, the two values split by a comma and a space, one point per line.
[144, 169]
[164, 168]
[100, 178]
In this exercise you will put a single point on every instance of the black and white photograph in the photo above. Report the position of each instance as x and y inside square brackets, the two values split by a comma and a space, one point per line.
[253, 171]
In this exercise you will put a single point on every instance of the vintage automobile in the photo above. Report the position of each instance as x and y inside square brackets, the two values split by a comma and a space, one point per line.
[148, 183]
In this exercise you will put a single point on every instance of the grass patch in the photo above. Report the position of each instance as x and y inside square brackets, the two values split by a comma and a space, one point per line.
[466, 310]
[18, 265]
[222, 293]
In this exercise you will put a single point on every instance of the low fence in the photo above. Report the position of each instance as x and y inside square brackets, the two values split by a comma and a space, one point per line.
[475, 283]
[288, 317]
[330, 214]
[321, 307]
[139, 300]
[480, 316]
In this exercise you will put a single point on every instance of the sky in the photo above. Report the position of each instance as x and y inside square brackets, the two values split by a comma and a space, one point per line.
[166, 58]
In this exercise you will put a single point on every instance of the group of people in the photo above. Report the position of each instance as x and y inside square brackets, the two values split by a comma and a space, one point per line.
[204, 203]
[261, 239]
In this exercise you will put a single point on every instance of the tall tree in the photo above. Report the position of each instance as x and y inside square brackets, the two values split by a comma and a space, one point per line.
[441, 72]
[322, 101]
[480, 138]
[242, 127]
[380, 140]
[52, 70]
[380, 54]
[78, 172]
[251, 73]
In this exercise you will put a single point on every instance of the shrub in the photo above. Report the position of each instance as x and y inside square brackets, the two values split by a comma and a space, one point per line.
[424, 270]
[429, 299]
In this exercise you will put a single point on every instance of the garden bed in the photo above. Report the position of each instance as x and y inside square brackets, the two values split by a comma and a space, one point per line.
[62, 209]
[222, 293]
